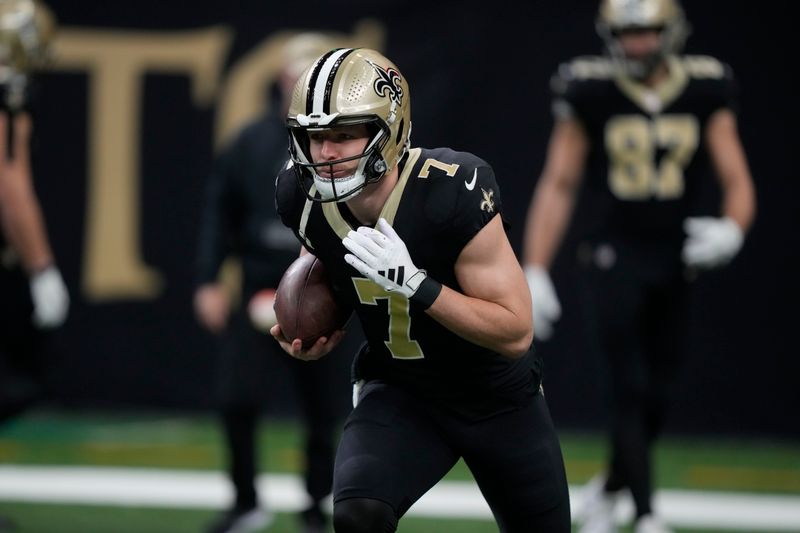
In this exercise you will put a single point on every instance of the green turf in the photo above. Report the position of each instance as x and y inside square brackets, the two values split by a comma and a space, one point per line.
[194, 441]
[699, 463]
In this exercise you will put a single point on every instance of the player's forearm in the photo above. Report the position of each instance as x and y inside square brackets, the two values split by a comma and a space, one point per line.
[730, 162]
[739, 202]
[548, 218]
[484, 323]
[23, 225]
[213, 245]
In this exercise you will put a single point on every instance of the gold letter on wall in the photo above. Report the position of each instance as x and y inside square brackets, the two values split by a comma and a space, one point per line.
[113, 267]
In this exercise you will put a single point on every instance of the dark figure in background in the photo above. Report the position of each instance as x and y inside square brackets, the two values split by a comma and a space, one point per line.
[414, 239]
[239, 218]
[645, 125]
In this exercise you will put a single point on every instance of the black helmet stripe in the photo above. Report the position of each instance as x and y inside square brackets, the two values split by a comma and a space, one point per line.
[319, 81]
[326, 106]
[313, 81]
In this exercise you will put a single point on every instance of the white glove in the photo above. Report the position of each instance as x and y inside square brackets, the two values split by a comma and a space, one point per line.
[546, 307]
[381, 255]
[711, 241]
[50, 298]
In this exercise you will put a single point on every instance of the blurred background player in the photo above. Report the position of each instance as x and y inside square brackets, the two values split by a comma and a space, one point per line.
[646, 126]
[33, 296]
[239, 219]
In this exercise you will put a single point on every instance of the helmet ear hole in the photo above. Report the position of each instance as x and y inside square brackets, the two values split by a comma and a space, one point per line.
[400, 131]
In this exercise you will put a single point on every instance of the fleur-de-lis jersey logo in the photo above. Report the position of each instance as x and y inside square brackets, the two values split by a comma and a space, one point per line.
[488, 200]
[388, 82]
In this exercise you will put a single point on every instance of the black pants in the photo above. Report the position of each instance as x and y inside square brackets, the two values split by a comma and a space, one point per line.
[396, 447]
[21, 358]
[249, 363]
[639, 323]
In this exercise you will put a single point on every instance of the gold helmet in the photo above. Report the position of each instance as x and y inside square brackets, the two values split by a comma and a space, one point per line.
[665, 16]
[26, 33]
[348, 86]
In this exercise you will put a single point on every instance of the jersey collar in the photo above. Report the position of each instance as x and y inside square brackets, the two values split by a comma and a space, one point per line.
[653, 101]
[340, 226]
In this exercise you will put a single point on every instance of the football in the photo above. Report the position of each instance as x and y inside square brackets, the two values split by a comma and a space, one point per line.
[305, 305]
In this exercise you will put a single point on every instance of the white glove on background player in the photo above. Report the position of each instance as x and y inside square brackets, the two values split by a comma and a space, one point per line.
[261, 310]
[50, 298]
[381, 255]
[711, 241]
[546, 307]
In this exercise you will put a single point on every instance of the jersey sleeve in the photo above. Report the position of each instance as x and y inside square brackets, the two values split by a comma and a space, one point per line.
[220, 219]
[289, 199]
[721, 89]
[728, 90]
[570, 86]
[562, 93]
[478, 201]
[460, 204]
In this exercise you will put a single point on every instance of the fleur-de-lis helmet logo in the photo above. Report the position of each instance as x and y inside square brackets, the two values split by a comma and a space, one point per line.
[388, 83]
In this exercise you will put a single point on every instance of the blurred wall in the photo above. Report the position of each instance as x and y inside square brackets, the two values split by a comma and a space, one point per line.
[128, 119]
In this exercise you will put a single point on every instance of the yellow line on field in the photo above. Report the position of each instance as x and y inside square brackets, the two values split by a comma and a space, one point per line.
[580, 470]
[9, 450]
[144, 454]
[747, 478]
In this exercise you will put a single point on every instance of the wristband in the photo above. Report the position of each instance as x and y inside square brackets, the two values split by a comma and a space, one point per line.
[427, 293]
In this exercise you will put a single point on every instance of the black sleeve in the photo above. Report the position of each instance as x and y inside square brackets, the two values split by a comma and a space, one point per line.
[476, 206]
[219, 222]
[290, 202]
[285, 198]
[729, 90]
[574, 86]
[563, 95]
[714, 83]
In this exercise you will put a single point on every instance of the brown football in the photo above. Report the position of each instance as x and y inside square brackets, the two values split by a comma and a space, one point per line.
[305, 305]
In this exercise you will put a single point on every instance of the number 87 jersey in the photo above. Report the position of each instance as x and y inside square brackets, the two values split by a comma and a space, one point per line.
[648, 158]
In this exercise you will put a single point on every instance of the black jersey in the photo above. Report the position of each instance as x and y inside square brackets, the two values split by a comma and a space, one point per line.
[647, 158]
[442, 200]
[238, 216]
[8, 258]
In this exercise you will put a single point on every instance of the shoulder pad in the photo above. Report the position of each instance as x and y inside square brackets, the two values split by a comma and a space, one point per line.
[441, 163]
[587, 68]
[704, 67]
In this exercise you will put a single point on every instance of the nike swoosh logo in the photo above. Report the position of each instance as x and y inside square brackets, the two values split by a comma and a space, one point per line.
[471, 184]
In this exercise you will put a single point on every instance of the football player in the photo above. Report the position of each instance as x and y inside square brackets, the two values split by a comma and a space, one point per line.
[33, 295]
[644, 125]
[414, 240]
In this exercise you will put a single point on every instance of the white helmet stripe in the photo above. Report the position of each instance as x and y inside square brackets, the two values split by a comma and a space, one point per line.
[322, 80]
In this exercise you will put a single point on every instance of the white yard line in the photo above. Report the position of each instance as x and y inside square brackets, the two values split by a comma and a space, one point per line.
[142, 487]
